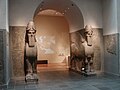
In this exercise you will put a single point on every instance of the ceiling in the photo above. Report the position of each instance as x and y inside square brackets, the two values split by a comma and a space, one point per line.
[64, 8]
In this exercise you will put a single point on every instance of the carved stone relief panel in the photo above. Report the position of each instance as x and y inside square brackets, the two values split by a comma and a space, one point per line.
[17, 42]
[111, 53]
[1, 57]
[110, 43]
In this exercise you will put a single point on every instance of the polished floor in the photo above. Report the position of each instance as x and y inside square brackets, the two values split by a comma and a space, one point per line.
[62, 79]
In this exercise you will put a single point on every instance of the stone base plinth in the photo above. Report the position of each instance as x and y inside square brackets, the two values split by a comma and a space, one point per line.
[29, 78]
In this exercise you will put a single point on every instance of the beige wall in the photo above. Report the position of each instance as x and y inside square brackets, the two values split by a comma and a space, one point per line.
[53, 38]
[110, 17]
[21, 12]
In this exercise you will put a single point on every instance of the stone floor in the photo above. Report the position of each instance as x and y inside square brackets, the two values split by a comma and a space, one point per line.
[57, 77]
[67, 80]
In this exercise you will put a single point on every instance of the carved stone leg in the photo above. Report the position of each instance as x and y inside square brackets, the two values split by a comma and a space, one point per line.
[86, 64]
[29, 67]
[91, 65]
[34, 65]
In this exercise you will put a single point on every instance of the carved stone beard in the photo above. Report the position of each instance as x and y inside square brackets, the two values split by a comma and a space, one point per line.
[89, 41]
[31, 38]
[89, 38]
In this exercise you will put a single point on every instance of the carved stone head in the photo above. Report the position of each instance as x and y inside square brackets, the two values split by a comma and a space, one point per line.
[30, 34]
[30, 25]
[88, 34]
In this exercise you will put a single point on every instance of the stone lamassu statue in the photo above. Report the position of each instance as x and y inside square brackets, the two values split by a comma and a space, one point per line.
[89, 52]
[77, 54]
[30, 55]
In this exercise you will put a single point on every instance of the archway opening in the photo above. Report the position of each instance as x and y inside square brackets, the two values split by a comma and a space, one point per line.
[53, 40]
[56, 40]
[68, 8]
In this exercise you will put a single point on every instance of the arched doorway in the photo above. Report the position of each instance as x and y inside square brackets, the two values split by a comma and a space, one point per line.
[72, 16]
[53, 40]
[70, 11]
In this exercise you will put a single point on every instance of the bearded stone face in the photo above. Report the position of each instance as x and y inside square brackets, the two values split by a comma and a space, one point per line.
[88, 34]
[31, 38]
[31, 32]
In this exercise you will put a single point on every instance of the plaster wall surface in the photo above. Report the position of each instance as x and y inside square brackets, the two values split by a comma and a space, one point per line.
[118, 23]
[21, 11]
[118, 15]
[92, 12]
[110, 17]
[4, 14]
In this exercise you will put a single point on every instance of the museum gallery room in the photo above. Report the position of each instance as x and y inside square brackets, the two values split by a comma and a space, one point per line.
[59, 45]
